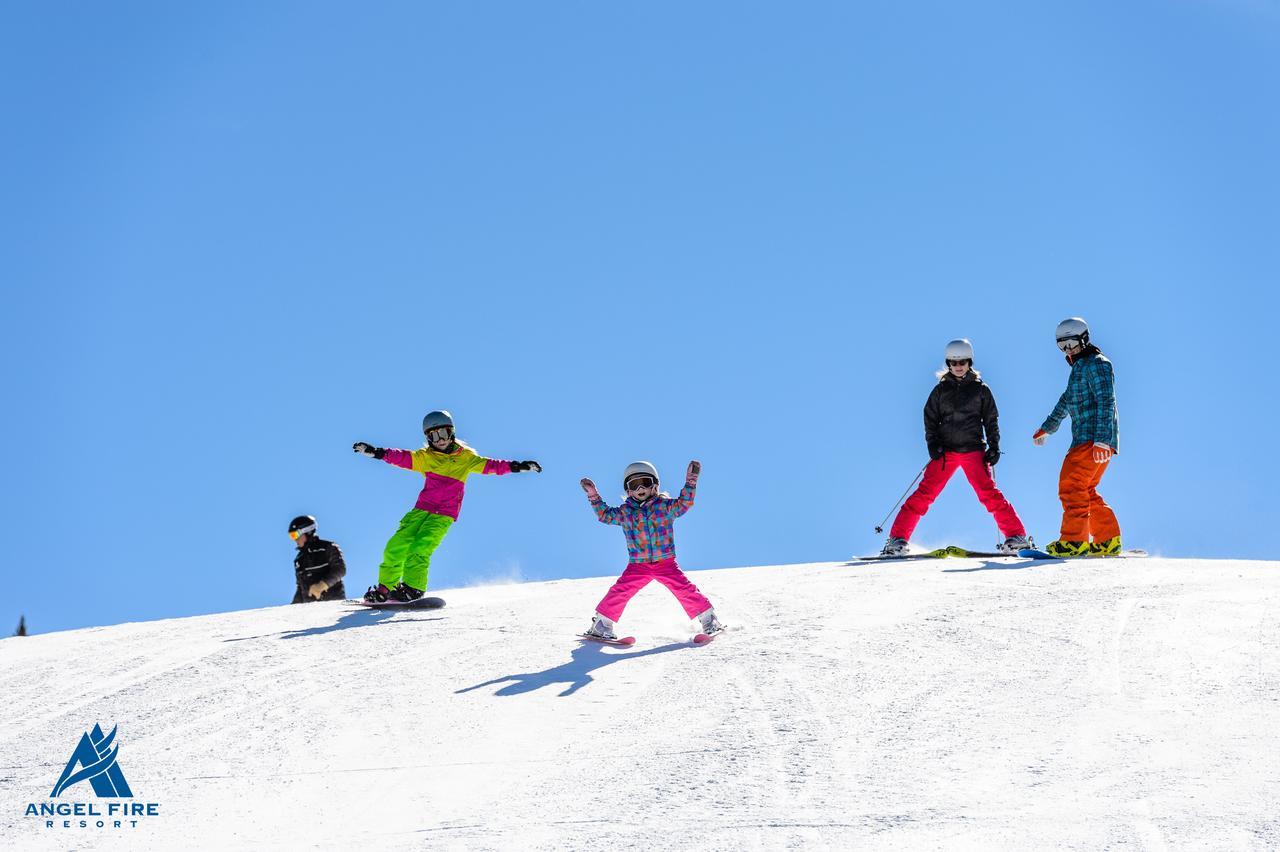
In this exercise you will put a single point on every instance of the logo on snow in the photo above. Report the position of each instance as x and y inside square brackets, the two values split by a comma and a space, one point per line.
[96, 757]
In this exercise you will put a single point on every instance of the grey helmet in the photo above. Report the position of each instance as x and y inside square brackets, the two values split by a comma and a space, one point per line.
[436, 419]
[639, 468]
[1070, 330]
[959, 350]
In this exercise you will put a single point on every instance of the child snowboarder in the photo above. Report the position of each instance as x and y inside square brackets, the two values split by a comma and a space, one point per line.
[646, 519]
[1090, 402]
[959, 410]
[445, 463]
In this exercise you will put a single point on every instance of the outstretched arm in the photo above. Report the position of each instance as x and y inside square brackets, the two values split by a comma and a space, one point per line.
[498, 467]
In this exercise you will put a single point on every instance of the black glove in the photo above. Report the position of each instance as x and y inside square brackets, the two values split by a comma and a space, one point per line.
[992, 456]
[522, 466]
[935, 453]
[368, 450]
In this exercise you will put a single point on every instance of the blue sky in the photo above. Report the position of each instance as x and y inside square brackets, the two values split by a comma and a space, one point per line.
[238, 237]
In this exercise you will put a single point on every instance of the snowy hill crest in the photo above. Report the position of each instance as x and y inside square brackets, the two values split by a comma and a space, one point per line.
[949, 704]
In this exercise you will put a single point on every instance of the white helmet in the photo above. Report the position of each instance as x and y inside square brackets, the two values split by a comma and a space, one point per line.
[1070, 331]
[960, 350]
[641, 468]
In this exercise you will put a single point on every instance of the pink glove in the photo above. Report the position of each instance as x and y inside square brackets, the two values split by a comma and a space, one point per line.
[590, 487]
[1040, 437]
[691, 475]
[1101, 452]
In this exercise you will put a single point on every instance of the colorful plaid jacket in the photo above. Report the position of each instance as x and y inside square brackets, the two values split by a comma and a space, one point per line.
[1090, 402]
[647, 525]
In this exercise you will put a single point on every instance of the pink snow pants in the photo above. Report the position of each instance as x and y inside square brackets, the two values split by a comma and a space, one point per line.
[936, 477]
[640, 574]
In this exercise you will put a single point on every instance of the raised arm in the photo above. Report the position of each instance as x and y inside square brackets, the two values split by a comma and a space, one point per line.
[605, 513]
[684, 502]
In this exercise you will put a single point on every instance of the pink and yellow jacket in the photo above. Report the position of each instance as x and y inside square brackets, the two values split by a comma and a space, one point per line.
[446, 474]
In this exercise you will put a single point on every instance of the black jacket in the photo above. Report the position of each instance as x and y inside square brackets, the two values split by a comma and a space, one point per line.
[319, 560]
[957, 413]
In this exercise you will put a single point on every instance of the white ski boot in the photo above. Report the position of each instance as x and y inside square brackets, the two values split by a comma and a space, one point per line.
[708, 623]
[1014, 543]
[601, 628]
[894, 547]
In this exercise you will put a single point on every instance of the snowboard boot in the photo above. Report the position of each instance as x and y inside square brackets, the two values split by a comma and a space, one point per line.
[406, 594]
[1014, 543]
[377, 594]
[1067, 549]
[895, 547]
[708, 623]
[601, 627]
[1110, 547]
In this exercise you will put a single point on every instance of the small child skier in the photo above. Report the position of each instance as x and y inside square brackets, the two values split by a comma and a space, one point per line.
[646, 518]
[445, 463]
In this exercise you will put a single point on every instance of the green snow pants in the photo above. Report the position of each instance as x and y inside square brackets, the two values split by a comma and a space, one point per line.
[408, 553]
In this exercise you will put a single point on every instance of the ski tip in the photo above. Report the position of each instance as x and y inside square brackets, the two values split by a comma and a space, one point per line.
[702, 639]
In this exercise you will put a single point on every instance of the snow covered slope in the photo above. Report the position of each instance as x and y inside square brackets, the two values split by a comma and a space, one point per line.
[952, 704]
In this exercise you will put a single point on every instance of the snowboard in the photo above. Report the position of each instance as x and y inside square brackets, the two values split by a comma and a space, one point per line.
[622, 642]
[1041, 554]
[420, 603]
[948, 552]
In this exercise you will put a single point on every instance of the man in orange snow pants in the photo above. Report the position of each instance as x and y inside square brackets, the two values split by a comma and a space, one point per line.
[1090, 402]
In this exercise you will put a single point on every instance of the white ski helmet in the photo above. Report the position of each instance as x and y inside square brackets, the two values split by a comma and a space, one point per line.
[960, 350]
[639, 468]
[1072, 329]
[436, 419]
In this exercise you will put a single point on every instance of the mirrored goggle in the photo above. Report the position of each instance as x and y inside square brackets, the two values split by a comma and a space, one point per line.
[636, 482]
[441, 433]
[1065, 343]
[293, 534]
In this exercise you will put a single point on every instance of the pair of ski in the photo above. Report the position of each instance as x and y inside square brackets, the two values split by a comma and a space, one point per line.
[953, 552]
[627, 641]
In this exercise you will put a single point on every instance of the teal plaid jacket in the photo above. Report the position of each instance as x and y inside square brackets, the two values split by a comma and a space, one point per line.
[648, 526]
[1090, 402]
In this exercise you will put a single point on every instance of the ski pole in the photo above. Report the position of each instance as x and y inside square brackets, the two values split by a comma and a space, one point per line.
[880, 526]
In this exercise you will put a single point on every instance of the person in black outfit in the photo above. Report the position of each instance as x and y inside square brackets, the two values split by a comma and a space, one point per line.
[960, 413]
[318, 567]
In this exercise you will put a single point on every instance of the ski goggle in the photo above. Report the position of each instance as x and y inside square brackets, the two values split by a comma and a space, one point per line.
[1067, 343]
[958, 363]
[637, 482]
[294, 534]
[441, 433]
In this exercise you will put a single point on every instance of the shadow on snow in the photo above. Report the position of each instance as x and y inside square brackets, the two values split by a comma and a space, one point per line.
[585, 659]
[993, 566]
[363, 617]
